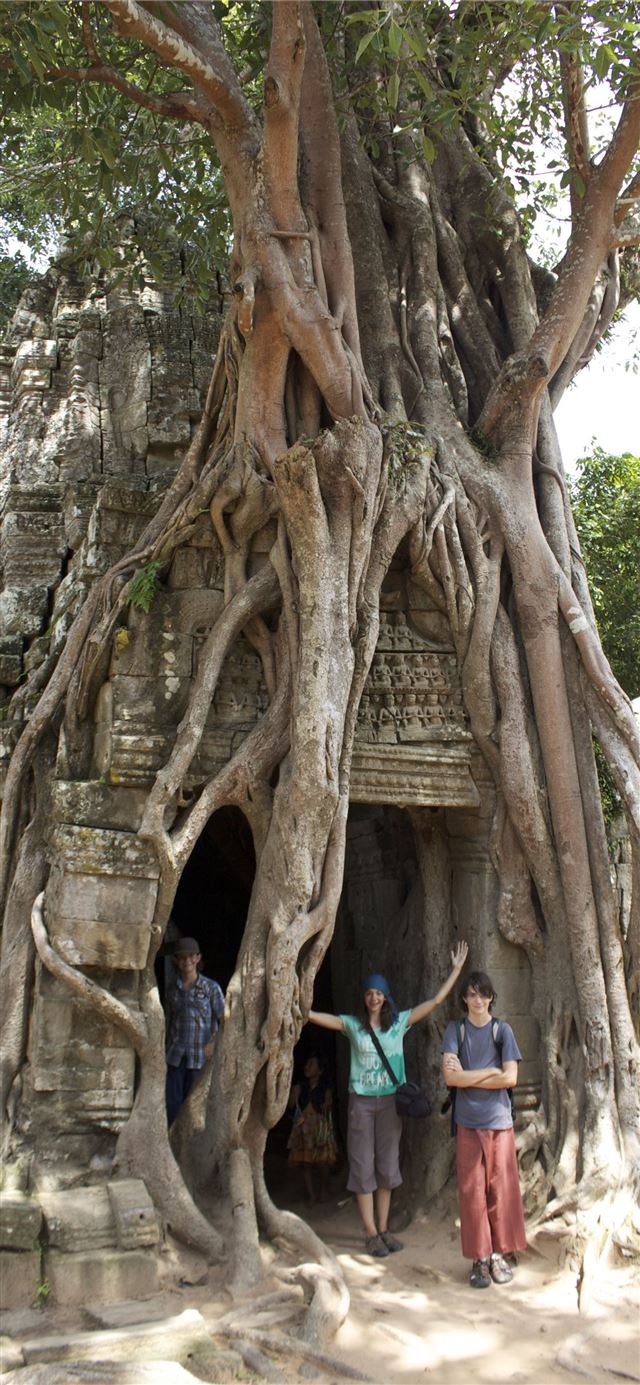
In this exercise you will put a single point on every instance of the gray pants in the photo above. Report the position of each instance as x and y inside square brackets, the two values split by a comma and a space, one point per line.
[373, 1143]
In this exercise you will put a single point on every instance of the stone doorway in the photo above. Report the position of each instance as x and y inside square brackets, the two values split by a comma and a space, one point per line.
[381, 905]
[213, 896]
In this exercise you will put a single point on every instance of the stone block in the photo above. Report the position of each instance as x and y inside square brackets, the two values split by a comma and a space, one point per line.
[133, 1213]
[137, 755]
[60, 1017]
[100, 851]
[168, 420]
[191, 612]
[422, 775]
[159, 646]
[151, 701]
[41, 354]
[78, 1220]
[19, 1278]
[193, 568]
[36, 653]
[78, 504]
[529, 1070]
[23, 610]
[98, 1077]
[100, 920]
[88, 803]
[34, 498]
[20, 1221]
[107, 1276]
[10, 659]
[21, 1322]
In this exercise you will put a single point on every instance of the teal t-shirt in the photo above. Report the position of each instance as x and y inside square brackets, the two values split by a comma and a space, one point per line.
[368, 1075]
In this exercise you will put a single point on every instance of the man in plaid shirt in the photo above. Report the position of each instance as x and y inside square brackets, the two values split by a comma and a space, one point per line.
[195, 1007]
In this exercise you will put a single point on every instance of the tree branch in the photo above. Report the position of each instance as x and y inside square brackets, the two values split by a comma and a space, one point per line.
[282, 87]
[87, 33]
[577, 125]
[214, 76]
[597, 666]
[588, 249]
[626, 242]
[630, 196]
[108, 1007]
[173, 104]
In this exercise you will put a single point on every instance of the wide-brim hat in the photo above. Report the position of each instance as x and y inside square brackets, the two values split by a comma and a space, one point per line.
[185, 947]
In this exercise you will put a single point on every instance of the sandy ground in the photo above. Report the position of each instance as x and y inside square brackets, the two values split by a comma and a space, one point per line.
[414, 1317]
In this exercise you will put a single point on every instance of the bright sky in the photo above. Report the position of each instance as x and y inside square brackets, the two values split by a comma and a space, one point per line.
[603, 404]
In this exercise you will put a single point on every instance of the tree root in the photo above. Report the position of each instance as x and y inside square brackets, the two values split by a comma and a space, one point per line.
[330, 1297]
[293, 1346]
[256, 1361]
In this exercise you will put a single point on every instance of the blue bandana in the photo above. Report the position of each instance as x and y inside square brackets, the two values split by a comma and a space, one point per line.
[377, 982]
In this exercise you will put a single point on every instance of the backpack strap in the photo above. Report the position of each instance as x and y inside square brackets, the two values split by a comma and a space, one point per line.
[497, 1039]
[453, 1091]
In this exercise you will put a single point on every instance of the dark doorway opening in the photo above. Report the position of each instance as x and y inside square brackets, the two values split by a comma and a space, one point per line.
[380, 906]
[212, 899]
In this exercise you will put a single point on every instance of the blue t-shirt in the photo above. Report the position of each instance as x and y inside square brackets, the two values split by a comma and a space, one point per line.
[480, 1108]
[368, 1075]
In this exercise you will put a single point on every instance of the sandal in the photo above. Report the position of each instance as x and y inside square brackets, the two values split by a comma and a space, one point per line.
[500, 1271]
[392, 1243]
[374, 1245]
[480, 1277]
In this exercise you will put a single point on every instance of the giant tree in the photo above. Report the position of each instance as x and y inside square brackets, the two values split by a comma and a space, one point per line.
[387, 374]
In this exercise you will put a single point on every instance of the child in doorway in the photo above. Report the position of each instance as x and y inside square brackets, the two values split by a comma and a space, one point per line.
[312, 1142]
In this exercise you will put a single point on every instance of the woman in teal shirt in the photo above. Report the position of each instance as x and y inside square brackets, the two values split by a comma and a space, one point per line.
[373, 1125]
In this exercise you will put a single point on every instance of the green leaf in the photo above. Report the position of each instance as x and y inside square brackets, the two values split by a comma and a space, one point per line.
[364, 44]
[22, 64]
[602, 60]
[105, 149]
[394, 38]
[414, 39]
[393, 91]
[428, 149]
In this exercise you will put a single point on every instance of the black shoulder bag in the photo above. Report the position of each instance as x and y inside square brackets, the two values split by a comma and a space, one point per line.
[410, 1098]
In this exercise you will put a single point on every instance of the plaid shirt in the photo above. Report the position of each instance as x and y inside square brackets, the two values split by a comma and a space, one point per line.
[193, 1017]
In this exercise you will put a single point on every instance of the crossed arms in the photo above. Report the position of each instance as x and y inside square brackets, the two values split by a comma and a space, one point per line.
[455, 1075]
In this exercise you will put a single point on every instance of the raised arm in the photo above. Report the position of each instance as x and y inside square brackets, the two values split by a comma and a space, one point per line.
[326, 1021]
[458, 958]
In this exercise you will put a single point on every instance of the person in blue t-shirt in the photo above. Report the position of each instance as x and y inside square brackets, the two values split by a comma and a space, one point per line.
[482, 1067]
[373, 1124]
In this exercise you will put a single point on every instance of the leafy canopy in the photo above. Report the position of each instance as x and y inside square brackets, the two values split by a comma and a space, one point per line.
[77, 154]
[605, 496]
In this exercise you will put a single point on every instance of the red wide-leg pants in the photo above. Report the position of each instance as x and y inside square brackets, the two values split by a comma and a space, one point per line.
[491, 1215]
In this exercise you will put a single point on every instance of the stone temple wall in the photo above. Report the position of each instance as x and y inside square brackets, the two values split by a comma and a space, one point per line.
[100, 391]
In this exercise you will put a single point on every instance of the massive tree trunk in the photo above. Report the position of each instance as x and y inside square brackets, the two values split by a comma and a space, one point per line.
[352, 411]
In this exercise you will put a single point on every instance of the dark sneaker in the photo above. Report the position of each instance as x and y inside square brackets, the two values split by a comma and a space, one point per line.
[374, 1245]
[480, 1278]
[392, 1243]
[500, 1271]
